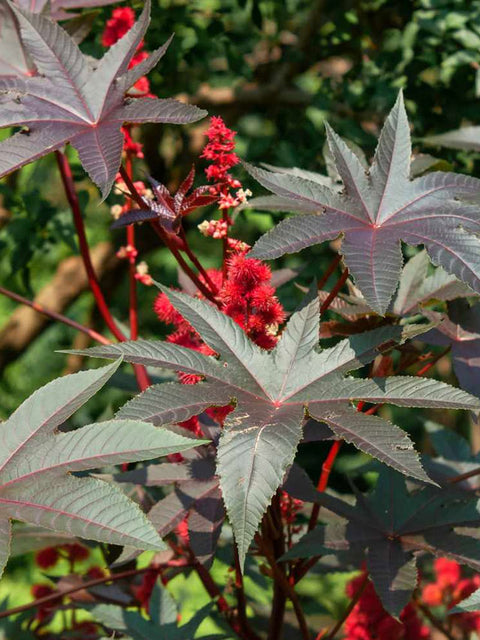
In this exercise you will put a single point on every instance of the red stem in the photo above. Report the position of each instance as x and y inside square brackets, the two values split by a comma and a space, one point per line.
[433, 362]
[55, 316]
[141, 374]
[61, 594]
[183, 264]
[323, 480]
[197, 263]
[132, 310]
[225, 218]
[334, 292]
[68, 183]
[323, 280]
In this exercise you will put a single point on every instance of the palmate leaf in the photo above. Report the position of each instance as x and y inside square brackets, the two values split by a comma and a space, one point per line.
[36, 462]
[14, 59]
[271, 391]
[72, 102]
[376, 211]
[416, 287]
[391, 525]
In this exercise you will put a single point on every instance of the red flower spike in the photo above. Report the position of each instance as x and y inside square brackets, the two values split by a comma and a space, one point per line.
[220, 152]
[44, 612]
[41, 590]
[248, 272]
[143, 592]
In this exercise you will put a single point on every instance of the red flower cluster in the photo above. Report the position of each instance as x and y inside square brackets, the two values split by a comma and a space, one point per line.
[249, 298]
[448, 589]
[122, 20]
[246, 296]
[370, 621]
[47, 611]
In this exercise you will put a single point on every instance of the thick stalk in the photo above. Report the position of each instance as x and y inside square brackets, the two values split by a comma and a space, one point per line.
[433, 362]
[141, 375]
[323, 480]
[162, 234]
[464, 476]
[433, 619]
[334, 292]
[222, 605]
[55, 316]
[133, 302]
[197, 263]
[240, 592]
[288, 591]
[272, 545]
[225, 218]
[323, 280]
[69, 185]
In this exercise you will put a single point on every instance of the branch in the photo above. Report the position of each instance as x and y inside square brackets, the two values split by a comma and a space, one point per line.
[25, 324]
[55, 316]
[61, 594]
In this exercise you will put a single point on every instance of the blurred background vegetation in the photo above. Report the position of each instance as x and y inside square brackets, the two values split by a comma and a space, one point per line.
[275, 70]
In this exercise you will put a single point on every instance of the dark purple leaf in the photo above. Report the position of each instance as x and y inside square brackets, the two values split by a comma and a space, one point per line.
[271, 391]
[205, 524]
[390, 525]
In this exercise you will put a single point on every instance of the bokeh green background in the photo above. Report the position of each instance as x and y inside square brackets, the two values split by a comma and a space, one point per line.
[275, 70]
